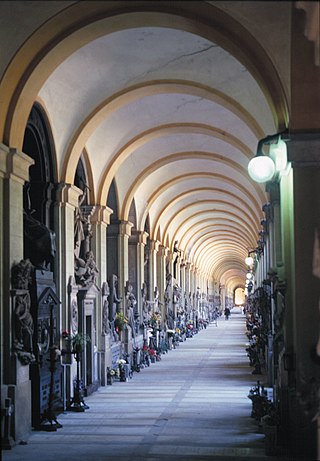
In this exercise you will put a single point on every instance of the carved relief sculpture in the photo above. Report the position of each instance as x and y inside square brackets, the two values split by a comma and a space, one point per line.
[131, 306]
[145, 305]
[23, 327]
[86, 270]
[39, 240]
[168, 302]
[105, 309]
[79, 221]
[114, 302]
[84, 262]
[74, 317]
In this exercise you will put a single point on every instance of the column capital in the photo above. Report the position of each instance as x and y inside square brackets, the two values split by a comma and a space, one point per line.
[68, 194]
[154, 245]
[101, 215]
[304, 149]
[125, 228]
[14, 164]
[170, 255]
[142, 237]
[163, 251]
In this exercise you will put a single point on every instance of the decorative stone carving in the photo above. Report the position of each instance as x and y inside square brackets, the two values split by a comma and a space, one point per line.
[145, 305]
[79, 223]
[39, 240]
[131, 303]
[168, 302]
[74, 316]
[21, 275]
[84, 261]
[105, 308]
[23, 327]
[86, 270]
[114, 302]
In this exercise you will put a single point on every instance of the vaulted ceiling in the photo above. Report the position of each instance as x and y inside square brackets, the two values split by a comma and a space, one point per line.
[167, 100]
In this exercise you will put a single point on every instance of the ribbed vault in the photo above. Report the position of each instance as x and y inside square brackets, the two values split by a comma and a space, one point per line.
[167, 105]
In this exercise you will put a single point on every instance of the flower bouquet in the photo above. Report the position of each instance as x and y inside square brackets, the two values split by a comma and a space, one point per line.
[155, 319]
[120, 321]
[153, 355]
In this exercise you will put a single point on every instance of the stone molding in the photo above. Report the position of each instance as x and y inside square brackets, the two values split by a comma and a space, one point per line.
[101, 215]
[125, 228]
[68, 194]
[14, 164]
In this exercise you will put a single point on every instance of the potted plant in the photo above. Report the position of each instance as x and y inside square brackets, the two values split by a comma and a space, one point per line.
[120, 321]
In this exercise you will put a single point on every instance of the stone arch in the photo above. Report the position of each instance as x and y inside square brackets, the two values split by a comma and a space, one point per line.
[73, 27]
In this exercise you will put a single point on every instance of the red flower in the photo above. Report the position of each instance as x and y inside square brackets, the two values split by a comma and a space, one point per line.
[65, 334]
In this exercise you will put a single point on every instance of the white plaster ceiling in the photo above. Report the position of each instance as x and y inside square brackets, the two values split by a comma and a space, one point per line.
[192, 128]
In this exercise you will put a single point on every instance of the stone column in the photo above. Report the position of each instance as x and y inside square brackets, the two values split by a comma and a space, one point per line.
[14, 171]
[178, 275]
[304, 153]
[67, 201]
[195, 273]
[161, 277]
[222, 297]
[123, 239]
[100, 220]
[300, 215]
[182, 272]
[170, 261]
[141, 243]
[67, 197]
[153, 267]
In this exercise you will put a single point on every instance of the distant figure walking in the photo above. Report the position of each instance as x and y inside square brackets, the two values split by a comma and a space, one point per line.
[227, 313]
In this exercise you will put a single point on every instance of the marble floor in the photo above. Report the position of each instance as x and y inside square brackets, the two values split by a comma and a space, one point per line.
[191, 405]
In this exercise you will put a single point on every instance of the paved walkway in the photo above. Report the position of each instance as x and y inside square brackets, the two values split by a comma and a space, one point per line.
[192, 405]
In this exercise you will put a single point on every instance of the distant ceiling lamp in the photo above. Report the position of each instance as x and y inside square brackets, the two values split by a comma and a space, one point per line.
[261, 167]
[249, 276]
[249, 261]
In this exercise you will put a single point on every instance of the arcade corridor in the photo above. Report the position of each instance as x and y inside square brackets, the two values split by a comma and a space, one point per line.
[192, 405]
[159, 164]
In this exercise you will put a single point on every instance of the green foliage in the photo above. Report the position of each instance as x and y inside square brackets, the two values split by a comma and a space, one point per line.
[120, 321]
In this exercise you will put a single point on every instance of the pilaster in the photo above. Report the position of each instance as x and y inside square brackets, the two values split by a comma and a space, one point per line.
[304, 153]
[100, 219]
[141, 243]
[153, 267]
[67, 200]
[123, 240]
[14, 171]
[161, 275]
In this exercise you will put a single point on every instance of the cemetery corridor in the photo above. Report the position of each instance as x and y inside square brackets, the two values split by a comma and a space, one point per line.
[191, 405]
